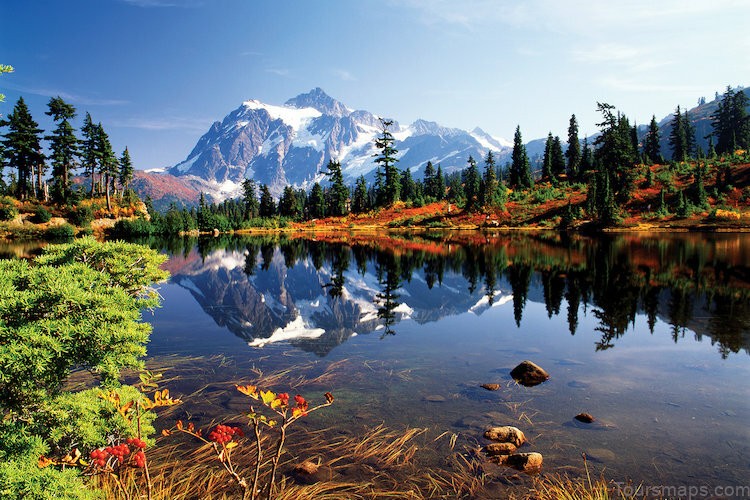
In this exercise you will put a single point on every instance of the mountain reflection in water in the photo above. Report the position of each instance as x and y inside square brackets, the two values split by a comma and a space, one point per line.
[316, 293]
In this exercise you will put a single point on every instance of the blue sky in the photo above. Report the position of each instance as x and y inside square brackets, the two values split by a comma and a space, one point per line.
[157, 73]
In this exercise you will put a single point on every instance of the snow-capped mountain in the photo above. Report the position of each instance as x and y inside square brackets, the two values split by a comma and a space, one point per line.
[290, 144]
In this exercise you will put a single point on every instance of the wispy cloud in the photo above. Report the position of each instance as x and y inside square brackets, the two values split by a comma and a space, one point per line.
[641, 85]
[345, 75]
[278, 71]
[72, 98]
[250, 53]
[163, 123]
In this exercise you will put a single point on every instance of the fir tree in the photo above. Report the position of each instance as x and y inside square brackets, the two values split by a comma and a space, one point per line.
[490, 184]
[573, 153]
[587, 163]
[472, 186]
[108, 165]
[678, 137]
[338, 194]
[691, 146]
[651, 148]
[615, 153]
[267, 206]
[360, 200]
[439, 188]
[520, 170]
[547, 159]
[249, 199]
[429, 181]
[388, 179]
[89, 150]
[126, 170]
[63, 146]
[731, 123]
[22, 148]
[316, 202]
[288, 203]
[408, 187]
[558, 159]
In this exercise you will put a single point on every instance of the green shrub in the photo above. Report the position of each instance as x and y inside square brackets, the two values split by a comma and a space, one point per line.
[8, 210]
[133, 227]
[41, 215]
[81, 216]
[60, 232]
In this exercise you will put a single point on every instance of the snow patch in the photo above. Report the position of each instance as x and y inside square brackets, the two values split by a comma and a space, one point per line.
[296, 329]
[294, 117]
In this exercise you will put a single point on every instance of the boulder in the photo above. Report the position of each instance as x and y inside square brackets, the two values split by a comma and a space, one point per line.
[490, 387]
[530, 463]
[505, 434]
[529, 374]
[308, 472]
[586, 418]
[494, 449]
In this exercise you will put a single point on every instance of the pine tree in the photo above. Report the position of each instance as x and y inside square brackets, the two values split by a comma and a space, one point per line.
[547, 159]
[126, 170]
[651, 148]
[472, 186]
[691, 146]
[558, 159]
[573, 153]
[288, 203]
[267, 206]
[439, 188]
[89, 150]
[731, 123]
[587, 163]
[678, 137]
[520, 170]
[316, 202]
[429, 181]
[63, 146]
[108, 165]
[249, 199]
[22, 148]
[360, 200]
[615, 153]
[490, 184]
[338, 194]
[388, 180]
[408, 187]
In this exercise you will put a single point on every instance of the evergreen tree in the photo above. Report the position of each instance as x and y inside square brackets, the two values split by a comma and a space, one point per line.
[587, 162]
[249, 199]
[388, 179]
[700, 197]
[731, 123]
[338, 194]
[691, 146]
[439, 186]
[547, 159]
[22, 148]
[126, 170]
[429, 181]
[267, 206]
[520, 170]
[108, 165]
[615, 153]
[316, 202]
[472, 186]
[408, 187]
[558, 158]
[573, 153]
[490, 185]
[288, 203]
[651, 147]
[63, 146]
[678, 137]
[360, 200]
[89, 150]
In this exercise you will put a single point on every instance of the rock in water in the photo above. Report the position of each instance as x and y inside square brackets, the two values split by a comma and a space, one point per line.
[490, 387]
[585, 418]
[529, 374]
[530, 463]
[505, 434]
[494, 449]
[308, 472]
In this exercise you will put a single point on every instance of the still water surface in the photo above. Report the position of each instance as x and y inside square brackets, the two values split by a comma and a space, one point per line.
[648, 333]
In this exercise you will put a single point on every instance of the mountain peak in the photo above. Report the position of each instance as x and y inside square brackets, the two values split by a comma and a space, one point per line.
[318, 99]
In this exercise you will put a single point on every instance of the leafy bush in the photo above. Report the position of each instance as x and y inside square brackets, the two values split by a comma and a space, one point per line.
[133, 227]
[81, 216]
[266, 223]
[41, 215]
[8, 210]
[60, 232]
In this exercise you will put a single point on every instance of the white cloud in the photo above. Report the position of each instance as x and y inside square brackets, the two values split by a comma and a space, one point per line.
[345, 75]
[278, 71]
[70, 97]
[168, 123]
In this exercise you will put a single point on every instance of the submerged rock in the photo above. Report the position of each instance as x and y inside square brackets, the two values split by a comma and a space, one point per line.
[308, 472]
[530, 463]
[490, 387]
[435, 398]
[529, 374]
[494, 449]
[505, 434]
[586, 418]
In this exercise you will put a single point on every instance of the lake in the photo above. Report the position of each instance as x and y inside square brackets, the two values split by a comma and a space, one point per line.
[649, 333]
